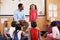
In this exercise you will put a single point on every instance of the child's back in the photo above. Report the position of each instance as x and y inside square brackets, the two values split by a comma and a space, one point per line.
[34, 33]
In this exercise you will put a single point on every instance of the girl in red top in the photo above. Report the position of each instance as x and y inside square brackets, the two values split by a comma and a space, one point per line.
[34, 31]
[33, 13]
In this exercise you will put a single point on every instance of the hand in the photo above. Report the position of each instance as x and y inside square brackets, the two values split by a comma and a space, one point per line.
[8, 37]
[23, 21]
[18, 22]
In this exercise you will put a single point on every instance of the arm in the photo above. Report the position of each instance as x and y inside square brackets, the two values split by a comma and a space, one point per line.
[15, 17]
[36, 14]
[39, 35]
[55, 32]
[23, 17]
[5, 34]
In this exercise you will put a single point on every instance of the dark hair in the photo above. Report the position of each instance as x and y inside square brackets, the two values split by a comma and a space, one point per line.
[53, 23]
[13, 24]
[20, 5]
[33, 24]
[34, 5]
[47, 20]
[18, 27]
[6, 24]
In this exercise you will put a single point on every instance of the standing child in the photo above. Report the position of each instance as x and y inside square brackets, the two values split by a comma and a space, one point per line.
[33, 13]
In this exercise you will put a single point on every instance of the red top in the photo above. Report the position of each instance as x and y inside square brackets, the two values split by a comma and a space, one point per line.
[33, 15]
[34, 33]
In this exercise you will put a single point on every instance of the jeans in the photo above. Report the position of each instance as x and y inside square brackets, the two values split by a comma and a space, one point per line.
[24, 38]
[2, 38]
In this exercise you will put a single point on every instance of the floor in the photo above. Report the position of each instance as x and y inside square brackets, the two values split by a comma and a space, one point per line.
[43, 38]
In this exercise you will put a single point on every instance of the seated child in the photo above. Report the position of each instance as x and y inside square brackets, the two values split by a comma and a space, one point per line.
[55, 31]
[47, 24]
[12, 28]
[6, 30]
[18, 33]
[34, 32]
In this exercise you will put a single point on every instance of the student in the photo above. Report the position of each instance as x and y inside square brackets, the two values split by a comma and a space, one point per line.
[34, 31]
[18, 33]
[33, 13]
[47, 25]
[55, 31]
[6, 30]
[12, 28]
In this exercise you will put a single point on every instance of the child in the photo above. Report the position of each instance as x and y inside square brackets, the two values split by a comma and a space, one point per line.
[33, 13]
[34, 32]
[47, 25]
[6, 30]
[55, 32]
[12, 28]
[18, 33]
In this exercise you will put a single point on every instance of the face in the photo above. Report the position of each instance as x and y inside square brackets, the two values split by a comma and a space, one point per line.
[5, 23]
[48, 23]
[33, 7]
[21, 8]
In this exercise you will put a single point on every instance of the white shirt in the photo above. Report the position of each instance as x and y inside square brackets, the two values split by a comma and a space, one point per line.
[19, 35]
[6, 29]
[12, 29]
[55, 32]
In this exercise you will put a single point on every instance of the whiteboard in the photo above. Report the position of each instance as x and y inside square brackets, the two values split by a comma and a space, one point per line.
[9, 6]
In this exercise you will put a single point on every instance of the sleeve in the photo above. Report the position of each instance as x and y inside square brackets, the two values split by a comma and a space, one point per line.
[36, 13]
[24, 18]
[30, 15]
[29, 36]
[55, 32]
[39, 35]
[15, 16]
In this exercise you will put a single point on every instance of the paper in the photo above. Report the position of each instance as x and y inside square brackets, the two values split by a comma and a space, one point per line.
[50, 14]
[55, 13]
[54, 7]
[3, 19]
[52, 19]
[50, 6]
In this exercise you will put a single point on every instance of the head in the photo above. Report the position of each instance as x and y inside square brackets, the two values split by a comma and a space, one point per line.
[5, 23]
[20, 6]
[53, 24]
[47, 22]
[33, 7]
[18, 27]
[33, 24]
[13, 24]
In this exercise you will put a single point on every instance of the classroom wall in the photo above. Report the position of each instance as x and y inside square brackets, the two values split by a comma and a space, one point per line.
[57, 2]
[42, 19]
[40, 22]
[12, 6]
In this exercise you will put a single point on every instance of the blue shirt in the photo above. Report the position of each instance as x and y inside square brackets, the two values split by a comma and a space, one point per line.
[19, 15]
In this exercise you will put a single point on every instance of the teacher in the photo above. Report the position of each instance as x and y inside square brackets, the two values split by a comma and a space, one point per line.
[19, 14]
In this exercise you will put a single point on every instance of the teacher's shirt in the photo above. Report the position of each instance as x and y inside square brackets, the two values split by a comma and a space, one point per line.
[19, 15]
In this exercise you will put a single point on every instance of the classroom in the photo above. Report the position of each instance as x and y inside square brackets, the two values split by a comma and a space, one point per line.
[29, 19]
